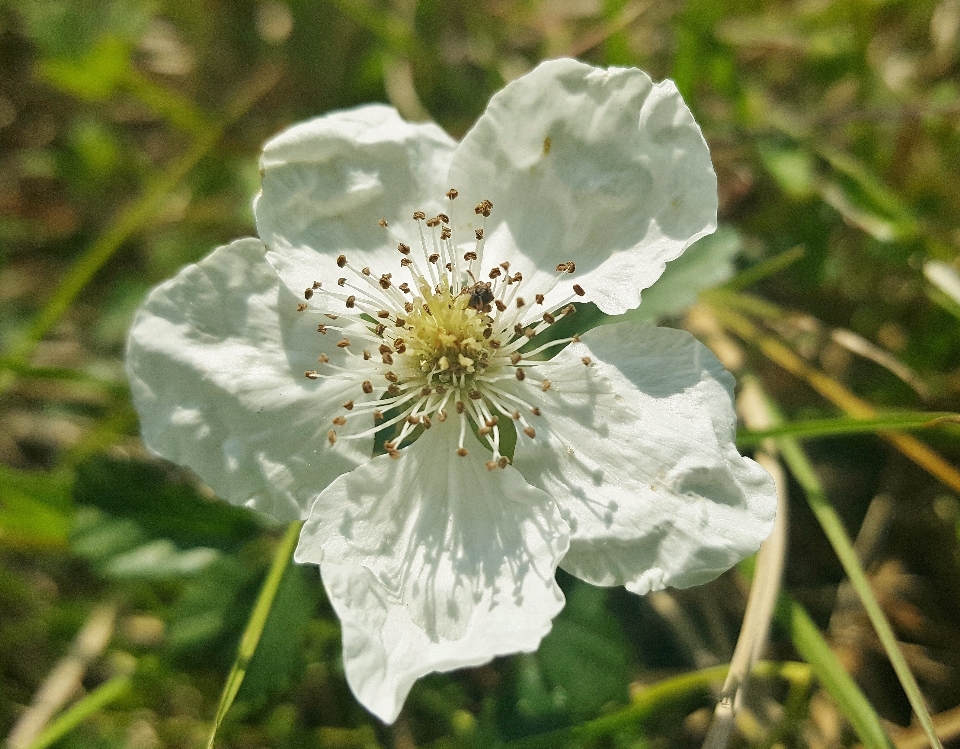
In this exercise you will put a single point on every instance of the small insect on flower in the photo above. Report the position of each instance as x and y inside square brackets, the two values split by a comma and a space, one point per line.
[348, 369]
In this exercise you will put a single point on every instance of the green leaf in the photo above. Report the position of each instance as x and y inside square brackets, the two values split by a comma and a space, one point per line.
[96, 74]
[844, 425]
[35, 509]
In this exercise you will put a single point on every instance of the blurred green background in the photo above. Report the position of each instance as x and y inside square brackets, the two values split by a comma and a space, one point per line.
[129, 138]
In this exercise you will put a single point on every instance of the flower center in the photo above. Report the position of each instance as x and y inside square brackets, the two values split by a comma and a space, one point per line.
[444, 343]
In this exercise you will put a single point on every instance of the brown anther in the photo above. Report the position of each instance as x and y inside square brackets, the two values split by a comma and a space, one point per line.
[400, 322]
[366, 355]
[384, 349]
[351, 301]
[487, 332]
[382, 223]
[515, 416]
[505, 265]
[405, 288]
[443, 217]
[503, 461]
[385, 281]
[330, 316]
[494, 343]
[494, 273]
[484, 431]
[587, 361]
[323, 358]
[412, 420]
[520, 302]
[452, 194]
[307, 293]
[391, 377]
[518, 329]
[419, 215]
[321, 328]
[311, 374]
[445, 233]
[348, 405]
[449, 267]
[462, 452]
[343, 343]
[535, 410]
[441, 416]
[342, 261]
[479, 234]
[317, 284]
[394, 389]
[491, 465]
[386, 359]
[500, 305]
[492, 422]
[433, 258]
[301, 307]
[578, 290]
[390, 445]
[568, 310]
[397, 343]
[521, 375]
[475, 395]
[401, 348]
[530, 432]
[365, 271]
[548, 318]
[332, 437]
[341, 282]
[394, 454]
[529, 332]
[404, 262]
[378, 415]
[433, 222]
[426, 422]
[367, 387]
[425, 392]
[517, 277]
[545, 385]
[340, 420]
[539, 298]
[379, 329]
[404, 249]
[576, 338]
[461, 407]
[383, 314]
[470, 255]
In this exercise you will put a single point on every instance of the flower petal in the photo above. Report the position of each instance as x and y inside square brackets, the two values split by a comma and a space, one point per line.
[216, 360]
[601, 167]
[432, 562]
[638, 451]
[328, 181]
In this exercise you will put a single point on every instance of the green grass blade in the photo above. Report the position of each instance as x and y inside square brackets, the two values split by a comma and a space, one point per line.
[832, 526]
[258, 619]
[844, 425]
[97, 699]
[831, 673]
[768, 267]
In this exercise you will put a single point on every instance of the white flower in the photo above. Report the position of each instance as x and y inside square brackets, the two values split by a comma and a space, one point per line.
[380, 301]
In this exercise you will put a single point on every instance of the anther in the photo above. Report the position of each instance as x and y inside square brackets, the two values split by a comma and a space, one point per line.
[419, 215]
[500, 306]
[530, 432]
[535, 410]
[317, 284]
[403, 249]
[443, 217]
[462, 452]
[405, 288]
[367, 387]
[545, 385]
[311, 374]
[445, 233]
[385, 281]
[323, 358]
[342, 261]
[343, 343]
[351, 301]
[479, 234]
[520, 302]
[491, 465]
[461, 407]
[521, 375]
[452, 194]
[426, 422]
[400, 322]
[386, 359]
[404, 262]
[321, 328]
[365, 271]
[366, 355]
[587, 361]
[466, 256]
[441, 416]
[433, 258]
[539, 298]
[433, 222]
[392, 377]
[492, 422]
[515, 358]
[503, 461]
[548, 318]
[529, 332]
[484, 431]
[413, 420]
[578, 290]
[332, 437]
[475, 395]
[383, 314]
[384, 349]
[378, 415]
[301, 307]
[307, 293]
[383, 223]
[341, 282]
[340, 420]
[494, 273]
[348, 405]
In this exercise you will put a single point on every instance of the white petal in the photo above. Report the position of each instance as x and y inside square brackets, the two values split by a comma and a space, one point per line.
[601, 167]
[328, 181]
[216, 360]
[638, 451]
[432, 562]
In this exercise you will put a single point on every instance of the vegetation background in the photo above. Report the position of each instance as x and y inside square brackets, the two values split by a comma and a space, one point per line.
[129, 139]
